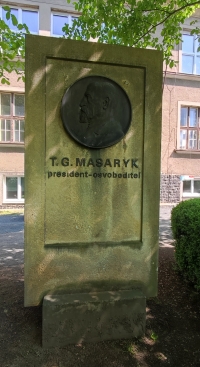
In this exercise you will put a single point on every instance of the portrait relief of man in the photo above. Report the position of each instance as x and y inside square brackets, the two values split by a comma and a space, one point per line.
[97, 111]
[100, 124]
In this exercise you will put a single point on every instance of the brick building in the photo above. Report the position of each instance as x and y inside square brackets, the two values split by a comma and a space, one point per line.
[180, 158]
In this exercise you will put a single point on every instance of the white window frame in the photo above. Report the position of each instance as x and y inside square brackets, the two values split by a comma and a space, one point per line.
[191, 194]
[68, 15]
[185, 104]
[19, 18]
[194, 54]
[12, 117]
[19, 198]
[18, 130]
[6, 131]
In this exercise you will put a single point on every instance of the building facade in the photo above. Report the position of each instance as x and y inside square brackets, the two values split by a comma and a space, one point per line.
[180, 150]
[44, 18]
[180, 157]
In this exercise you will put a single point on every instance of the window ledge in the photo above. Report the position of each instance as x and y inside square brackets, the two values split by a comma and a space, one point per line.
[12, 145]
[187, 195]
[14, 201]
[171, 74]
[186, 151]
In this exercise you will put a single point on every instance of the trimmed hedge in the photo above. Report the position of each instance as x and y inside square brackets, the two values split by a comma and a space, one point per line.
[185, 222]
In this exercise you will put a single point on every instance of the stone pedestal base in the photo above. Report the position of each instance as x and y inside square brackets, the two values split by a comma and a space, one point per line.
[92, 317]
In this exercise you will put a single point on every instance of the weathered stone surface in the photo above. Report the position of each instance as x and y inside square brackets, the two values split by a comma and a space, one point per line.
[92, 317]
[91, 215]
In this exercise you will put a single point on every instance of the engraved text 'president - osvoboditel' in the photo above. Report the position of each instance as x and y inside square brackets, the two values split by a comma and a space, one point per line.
[112, 168]
[96, 112]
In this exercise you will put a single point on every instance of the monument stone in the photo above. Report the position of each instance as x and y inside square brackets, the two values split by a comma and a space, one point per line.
[92, 170]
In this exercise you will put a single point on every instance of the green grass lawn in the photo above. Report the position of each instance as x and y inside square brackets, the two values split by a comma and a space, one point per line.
[11, 211]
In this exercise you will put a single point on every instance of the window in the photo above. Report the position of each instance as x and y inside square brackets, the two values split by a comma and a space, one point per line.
[29, 17]
[189, 133]
[14, 189]
[190, 55]
[58, 21]
[11, 118]
[191, 186]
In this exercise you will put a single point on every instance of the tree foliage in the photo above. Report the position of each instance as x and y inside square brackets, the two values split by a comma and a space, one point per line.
[12, 47]
[133, 23]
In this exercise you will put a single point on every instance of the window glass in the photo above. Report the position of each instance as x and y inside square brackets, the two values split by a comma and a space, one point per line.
[187, 186]
[5, 130]
[197, 186]
[17, 125]
[5, 104]
[22, 187]
[14, 189]
[19, 105]
[8, 138]
[11, 187]
[187, 64]
[17, 135]
[9, 22]
[8, 130]
[183, 139]
[198, 65]
[58, 23]
[197, 45]
[3, 127]
[19, 130]
[30, 18]
[187, 43]
[3, 124]
[193, 117]
[22, 130]
[3, 135]
[184, 114]
[190, 54]
[192, 139]
[189, 132]
[8, 123]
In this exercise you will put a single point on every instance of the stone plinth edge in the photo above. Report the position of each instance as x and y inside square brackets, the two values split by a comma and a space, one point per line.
[92, 317]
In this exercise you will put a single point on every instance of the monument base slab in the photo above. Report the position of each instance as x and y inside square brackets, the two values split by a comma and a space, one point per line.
[92, 317]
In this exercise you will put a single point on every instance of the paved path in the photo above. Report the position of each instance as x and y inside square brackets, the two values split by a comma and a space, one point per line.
[12, 236]
[11, 239]
[165, 234]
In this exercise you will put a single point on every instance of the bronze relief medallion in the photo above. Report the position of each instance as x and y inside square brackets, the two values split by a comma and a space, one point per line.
[96, 112]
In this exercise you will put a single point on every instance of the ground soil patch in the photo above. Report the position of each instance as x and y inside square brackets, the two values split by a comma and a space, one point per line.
[172, 334]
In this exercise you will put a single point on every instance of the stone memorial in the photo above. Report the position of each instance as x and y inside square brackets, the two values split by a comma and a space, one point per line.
[92, 169]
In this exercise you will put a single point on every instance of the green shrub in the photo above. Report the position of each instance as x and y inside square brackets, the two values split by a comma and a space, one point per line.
[185, 221]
